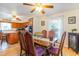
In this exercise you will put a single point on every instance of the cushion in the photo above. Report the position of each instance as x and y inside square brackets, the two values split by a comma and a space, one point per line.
[53, 50]
[39, 51]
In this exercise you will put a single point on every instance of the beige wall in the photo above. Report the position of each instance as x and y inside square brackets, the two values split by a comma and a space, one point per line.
[44, 18]
[36, 24]
[67, 27]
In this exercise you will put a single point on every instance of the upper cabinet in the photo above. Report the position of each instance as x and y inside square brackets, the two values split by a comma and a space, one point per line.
[18, 25]
[25, 24]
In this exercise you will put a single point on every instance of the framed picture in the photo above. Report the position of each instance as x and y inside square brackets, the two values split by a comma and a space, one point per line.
[42, 23]
[72, 20]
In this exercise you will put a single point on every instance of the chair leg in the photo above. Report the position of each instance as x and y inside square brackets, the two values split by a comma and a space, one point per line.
[26, 53]
[61, 53]
[1, 41]
[21, 52]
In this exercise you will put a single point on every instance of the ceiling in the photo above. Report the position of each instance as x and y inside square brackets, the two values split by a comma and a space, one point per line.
[24, 11]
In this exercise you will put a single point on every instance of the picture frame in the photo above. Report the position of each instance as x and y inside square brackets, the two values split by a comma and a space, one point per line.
[72, 20]
[42, 23]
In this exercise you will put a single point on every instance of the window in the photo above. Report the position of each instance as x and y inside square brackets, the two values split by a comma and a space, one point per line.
[56, 24]
[6, 26]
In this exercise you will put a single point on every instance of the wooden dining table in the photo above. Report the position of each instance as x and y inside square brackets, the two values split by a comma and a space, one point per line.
[43, 42]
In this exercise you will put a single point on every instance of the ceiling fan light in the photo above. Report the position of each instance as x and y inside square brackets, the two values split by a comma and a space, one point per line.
[18, 19]
[39, 9]
[14, 16]
[14, 13]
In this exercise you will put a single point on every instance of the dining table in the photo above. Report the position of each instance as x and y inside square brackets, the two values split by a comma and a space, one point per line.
[43, 42]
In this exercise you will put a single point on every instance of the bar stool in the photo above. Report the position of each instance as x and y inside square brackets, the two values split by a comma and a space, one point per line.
[4, 38]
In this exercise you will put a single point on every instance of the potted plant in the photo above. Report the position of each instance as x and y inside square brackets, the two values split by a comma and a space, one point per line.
[74, 30]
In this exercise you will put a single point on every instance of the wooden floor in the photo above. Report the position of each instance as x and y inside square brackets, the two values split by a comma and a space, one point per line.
[14, 50]
[69, 52]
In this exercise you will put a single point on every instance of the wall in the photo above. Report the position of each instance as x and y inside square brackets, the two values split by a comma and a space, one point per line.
[46, 23]
[67, 27]
[36, 24]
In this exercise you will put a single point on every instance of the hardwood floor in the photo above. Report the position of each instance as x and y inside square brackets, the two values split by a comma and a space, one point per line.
[69, 52]
[14, 50]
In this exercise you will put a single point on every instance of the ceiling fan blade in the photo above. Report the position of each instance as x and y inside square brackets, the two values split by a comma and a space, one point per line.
[28, 4]
[42, 11]
[33, 9]
[47, 6]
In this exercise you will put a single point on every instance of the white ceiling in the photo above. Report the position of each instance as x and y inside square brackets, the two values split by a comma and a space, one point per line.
[24, 11]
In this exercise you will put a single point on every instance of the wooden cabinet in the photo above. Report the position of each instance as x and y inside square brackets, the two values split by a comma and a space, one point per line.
[13, 38]
[16, 25]
[19, 25]
[25, 24]
[73, 41]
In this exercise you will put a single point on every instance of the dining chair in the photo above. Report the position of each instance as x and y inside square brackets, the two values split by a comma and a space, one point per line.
[0, 35]
[23, 46]
[51, 35]
[33, 50]
[4, 38]
[27, 44]
[56, 51]
[44, 33]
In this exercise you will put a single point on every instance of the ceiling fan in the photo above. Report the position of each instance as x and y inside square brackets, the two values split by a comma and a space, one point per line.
[15, 16]
[39, 6]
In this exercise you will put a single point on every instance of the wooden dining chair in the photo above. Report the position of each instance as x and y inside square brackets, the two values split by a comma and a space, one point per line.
[51, 35]
[44, 33]
[23, 45]
[56, 51]
[33, 50]
[27, 45]
[0, 35]
[4, 38]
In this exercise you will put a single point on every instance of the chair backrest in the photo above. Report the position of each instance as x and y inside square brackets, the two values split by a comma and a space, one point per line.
[62, 42]
[0, 35]
[44, 33]
[30, 44]
[51, 35]
[23, 43]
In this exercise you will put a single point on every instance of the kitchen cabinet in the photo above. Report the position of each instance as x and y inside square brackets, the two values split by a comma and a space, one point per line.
[13, 38]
